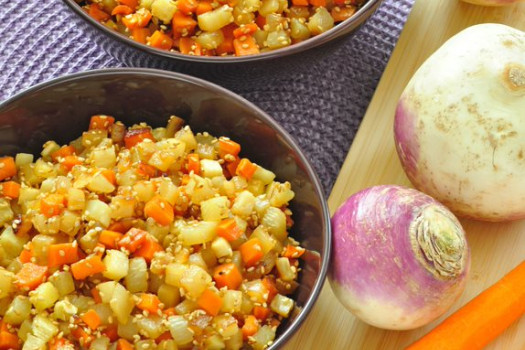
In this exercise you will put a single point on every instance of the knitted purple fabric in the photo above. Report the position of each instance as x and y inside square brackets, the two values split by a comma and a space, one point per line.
[321, 107]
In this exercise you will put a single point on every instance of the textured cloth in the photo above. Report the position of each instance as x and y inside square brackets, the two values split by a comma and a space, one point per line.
[321, 107]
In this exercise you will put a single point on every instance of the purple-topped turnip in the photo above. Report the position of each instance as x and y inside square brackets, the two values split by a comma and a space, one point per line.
[400, 258]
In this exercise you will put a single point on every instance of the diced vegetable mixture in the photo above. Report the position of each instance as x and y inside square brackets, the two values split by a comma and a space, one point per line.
[141, 238]
[220, 27]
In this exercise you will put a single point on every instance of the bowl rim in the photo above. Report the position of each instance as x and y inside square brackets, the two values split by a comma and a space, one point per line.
[325, 259]
[336, 31]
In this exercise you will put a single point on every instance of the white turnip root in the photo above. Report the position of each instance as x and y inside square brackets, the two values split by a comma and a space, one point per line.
[460, 124]
[399, 258]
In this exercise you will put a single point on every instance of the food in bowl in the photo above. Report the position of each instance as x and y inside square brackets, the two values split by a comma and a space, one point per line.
[144, 238]
[221, 27]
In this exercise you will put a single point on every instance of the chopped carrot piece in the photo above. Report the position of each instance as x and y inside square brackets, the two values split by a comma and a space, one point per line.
[23, 227]
[160, 210]
[120, 226]
[110, 238]
[164, 336]
[111, 332]
[229, 230]
[70, 161]
[189, 46]
[160, 40]
[247, 29]
[227, 146]
[7, 168]
[26, 254]
[227, 275]
[123, 344]
[318, 3]
[251, 252]
[149, 302]
[130, 3]
[8, 341]
[121, 10]
[89, 266]
[60, 344]
[52, 205]
[226, 46]
[97, 13]
[82, 336]
[246, 47]
[30, 276]
[110, 176]
[62, 254]
[250, 327]
[11, 189]
[96, 295]
[269, 283]
[342, 13]
[260, 21]
[148, 249]
[187, 7]
[300, 2]
[139, 19]
[292, 251]
[183, 23]
[260, 312]
[63, 152]
[140, 34]
[133, 239]
[232, 166]
[102, 122]
[91, 319]
[135, 136]
[246, 168]
[193, 163]
[203, 7]
[146, 170]
[210, 302]
[170, 311]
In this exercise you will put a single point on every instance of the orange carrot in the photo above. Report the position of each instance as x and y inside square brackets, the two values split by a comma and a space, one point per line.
[60, 344]
[250, 327]
[133, 239]
[149, 302]
[251, 252]
[111, 332]
[260, 312]
[193, 163]
[227, 275]
[300, 2]
[146, 170]
[7, 168]
[164, 336]
[120, 226]
[109, 175]
[227, 146]
[169, 311]
[341, 13]
[121, 10]
[246, 168]
[482, 319]
[30, 276]
[292, 251]
[96, 295]
[210, 302]
[26, 255]
[123, 344]
[232, 166]
[148, 249]
[52, 205]
[110, 238]
[62, 254]
[187, 7]
[269, 283]
[247, 29]
[131, 3]
[318, 3]
[89, 266]
[135, 136]
[8, 341]
[140, 35]
[24, 227]
[63, 152]
[97, 13]
[139, 19]
[11, 189]
[226, 46]
[189, 46]
[203, 7]
[103, 122]
[260, 21]
[160, 40]
[82, 336]
[91, 319]
[70, 161]
[159, 210]
[229, 230]
[246, 47]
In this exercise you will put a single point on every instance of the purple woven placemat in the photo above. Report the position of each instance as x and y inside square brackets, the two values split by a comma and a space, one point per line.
[321, 107]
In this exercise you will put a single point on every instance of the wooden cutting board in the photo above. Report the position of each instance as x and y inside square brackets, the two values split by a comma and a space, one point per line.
[372, 160]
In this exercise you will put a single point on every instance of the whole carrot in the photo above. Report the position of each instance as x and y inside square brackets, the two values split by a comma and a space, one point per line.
[482, 319]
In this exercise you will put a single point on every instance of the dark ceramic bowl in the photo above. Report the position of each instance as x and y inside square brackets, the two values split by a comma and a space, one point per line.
[232, 71]
[60, 110]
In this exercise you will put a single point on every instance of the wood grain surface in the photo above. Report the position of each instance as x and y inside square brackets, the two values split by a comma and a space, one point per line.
[372, 160]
